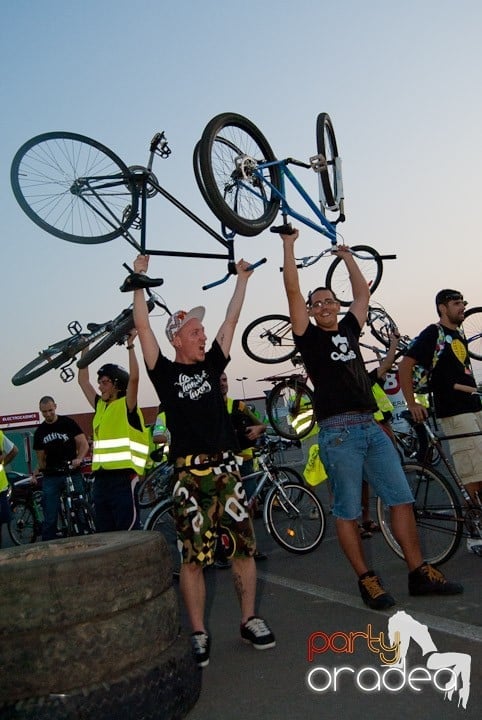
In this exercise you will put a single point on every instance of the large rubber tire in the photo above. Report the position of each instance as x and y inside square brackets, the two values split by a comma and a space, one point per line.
[231, 147]
[74, 188]
[326, 146]
[106, 604]
[295, 517]
[163, 689]
[338, 279]
[437, 514]
[472, 326]
[269, 339]
[161, 519]
[53, 357]
[290, 407]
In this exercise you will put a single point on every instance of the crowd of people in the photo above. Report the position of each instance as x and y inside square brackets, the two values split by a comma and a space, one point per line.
[211, 437]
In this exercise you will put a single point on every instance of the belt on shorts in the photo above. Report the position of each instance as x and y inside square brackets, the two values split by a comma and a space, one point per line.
[208, 460]
[349, 418]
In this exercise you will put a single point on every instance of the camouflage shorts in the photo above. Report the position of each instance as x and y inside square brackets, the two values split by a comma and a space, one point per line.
[206, 499]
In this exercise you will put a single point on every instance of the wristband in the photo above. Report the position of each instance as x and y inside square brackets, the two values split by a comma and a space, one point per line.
[130, 347]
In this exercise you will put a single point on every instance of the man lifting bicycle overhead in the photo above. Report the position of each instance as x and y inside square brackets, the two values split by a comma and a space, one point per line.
[351, 444]
[208, 486]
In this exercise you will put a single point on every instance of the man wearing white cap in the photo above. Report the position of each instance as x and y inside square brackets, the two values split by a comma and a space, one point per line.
[208, 489]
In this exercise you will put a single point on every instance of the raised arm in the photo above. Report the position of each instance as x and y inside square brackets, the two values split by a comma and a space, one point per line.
[297, 306]
[389, 358]
[149, 345]
[226, 331]
[133, 384]
[359, 285]
[84, 381]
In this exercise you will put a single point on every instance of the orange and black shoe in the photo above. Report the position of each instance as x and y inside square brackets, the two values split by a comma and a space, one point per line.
[373, 593]
[428, 580]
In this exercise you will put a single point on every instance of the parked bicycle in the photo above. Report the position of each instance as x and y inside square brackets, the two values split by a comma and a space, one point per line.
[245, 187]
[155, 485]
[75, 513]
[442, 520]
[77, 189]
[292, 514]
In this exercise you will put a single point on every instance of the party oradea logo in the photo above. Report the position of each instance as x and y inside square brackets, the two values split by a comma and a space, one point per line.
[446, 672]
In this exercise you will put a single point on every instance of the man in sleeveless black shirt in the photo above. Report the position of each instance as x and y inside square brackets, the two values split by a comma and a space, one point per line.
[453, 387]
[208, 488]
[351, 444]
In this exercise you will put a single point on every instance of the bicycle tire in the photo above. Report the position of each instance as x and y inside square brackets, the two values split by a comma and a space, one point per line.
[81, 521]
[437, 513]
[161, 519]
[338, 279]
[472, 326]
[290, 409]
[74, 187]
[381, 325]
[120, 328]
[53, 357]
[154, 487]
[269, 339]
[295, 517]
[326, 146]
[238, 199]
[23, 527]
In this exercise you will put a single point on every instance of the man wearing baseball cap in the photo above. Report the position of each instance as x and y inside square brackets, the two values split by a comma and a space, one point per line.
[208, 489]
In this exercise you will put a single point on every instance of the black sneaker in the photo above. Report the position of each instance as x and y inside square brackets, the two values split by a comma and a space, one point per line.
[256, 631]
[201, 644]
[427, 580]
[373, 593]
[258, 555]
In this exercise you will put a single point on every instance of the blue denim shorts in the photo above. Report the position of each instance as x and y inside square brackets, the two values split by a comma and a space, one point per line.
[357, 451]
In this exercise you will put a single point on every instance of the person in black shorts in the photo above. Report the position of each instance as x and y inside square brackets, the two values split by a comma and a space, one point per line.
[208, 489]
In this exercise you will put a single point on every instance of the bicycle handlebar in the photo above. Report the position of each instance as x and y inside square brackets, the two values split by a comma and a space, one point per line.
[232, 271]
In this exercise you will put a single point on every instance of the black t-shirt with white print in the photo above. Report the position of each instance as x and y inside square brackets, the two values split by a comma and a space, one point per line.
[333, 361]
[196, 413]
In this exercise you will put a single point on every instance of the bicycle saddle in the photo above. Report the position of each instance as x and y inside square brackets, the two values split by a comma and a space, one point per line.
[139, 281]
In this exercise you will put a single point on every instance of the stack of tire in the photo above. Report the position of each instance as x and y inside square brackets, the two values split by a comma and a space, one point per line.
[89, 628]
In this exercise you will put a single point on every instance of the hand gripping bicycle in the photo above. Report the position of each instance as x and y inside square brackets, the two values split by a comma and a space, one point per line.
[77, 189]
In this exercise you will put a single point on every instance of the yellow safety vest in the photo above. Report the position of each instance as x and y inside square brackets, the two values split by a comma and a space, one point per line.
[383, 402]
[117, 445]
[3, 474]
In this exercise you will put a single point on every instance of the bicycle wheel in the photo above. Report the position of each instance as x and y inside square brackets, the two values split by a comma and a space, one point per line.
[23, 527]
[231, 150]
[116, 332]
[290, 409]
[155, 486]
[338, 279]
[326, 146]
[161, 519]
[74, 188]
[50, 359]
[295, 518]
[269, 339]
[472, 326]
[81, 520]
[381, 325]
[437, 513]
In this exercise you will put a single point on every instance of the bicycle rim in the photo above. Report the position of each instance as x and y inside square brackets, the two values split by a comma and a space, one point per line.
[437, 514]
[161, 519]
[290, 409]
[269, 339]
[326, 146]
[230, 152]
[22, 527]
[338, 279]
[74, 187]
[154, 487]
[117, 333]
[472, 326]
[381, 325]
[295, 517]
[50, 359]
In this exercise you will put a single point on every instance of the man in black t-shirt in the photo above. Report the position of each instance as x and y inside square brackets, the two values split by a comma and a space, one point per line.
[58, 442]
[351, 444]
[452, 384]
[208, 489]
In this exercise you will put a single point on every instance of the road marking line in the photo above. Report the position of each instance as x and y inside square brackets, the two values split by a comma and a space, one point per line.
[449, 627]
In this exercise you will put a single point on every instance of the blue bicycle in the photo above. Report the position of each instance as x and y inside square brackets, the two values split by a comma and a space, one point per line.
[244, 185]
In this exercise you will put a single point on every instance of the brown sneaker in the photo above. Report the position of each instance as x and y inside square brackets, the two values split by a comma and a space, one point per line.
[427, 580]
[373, 593]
